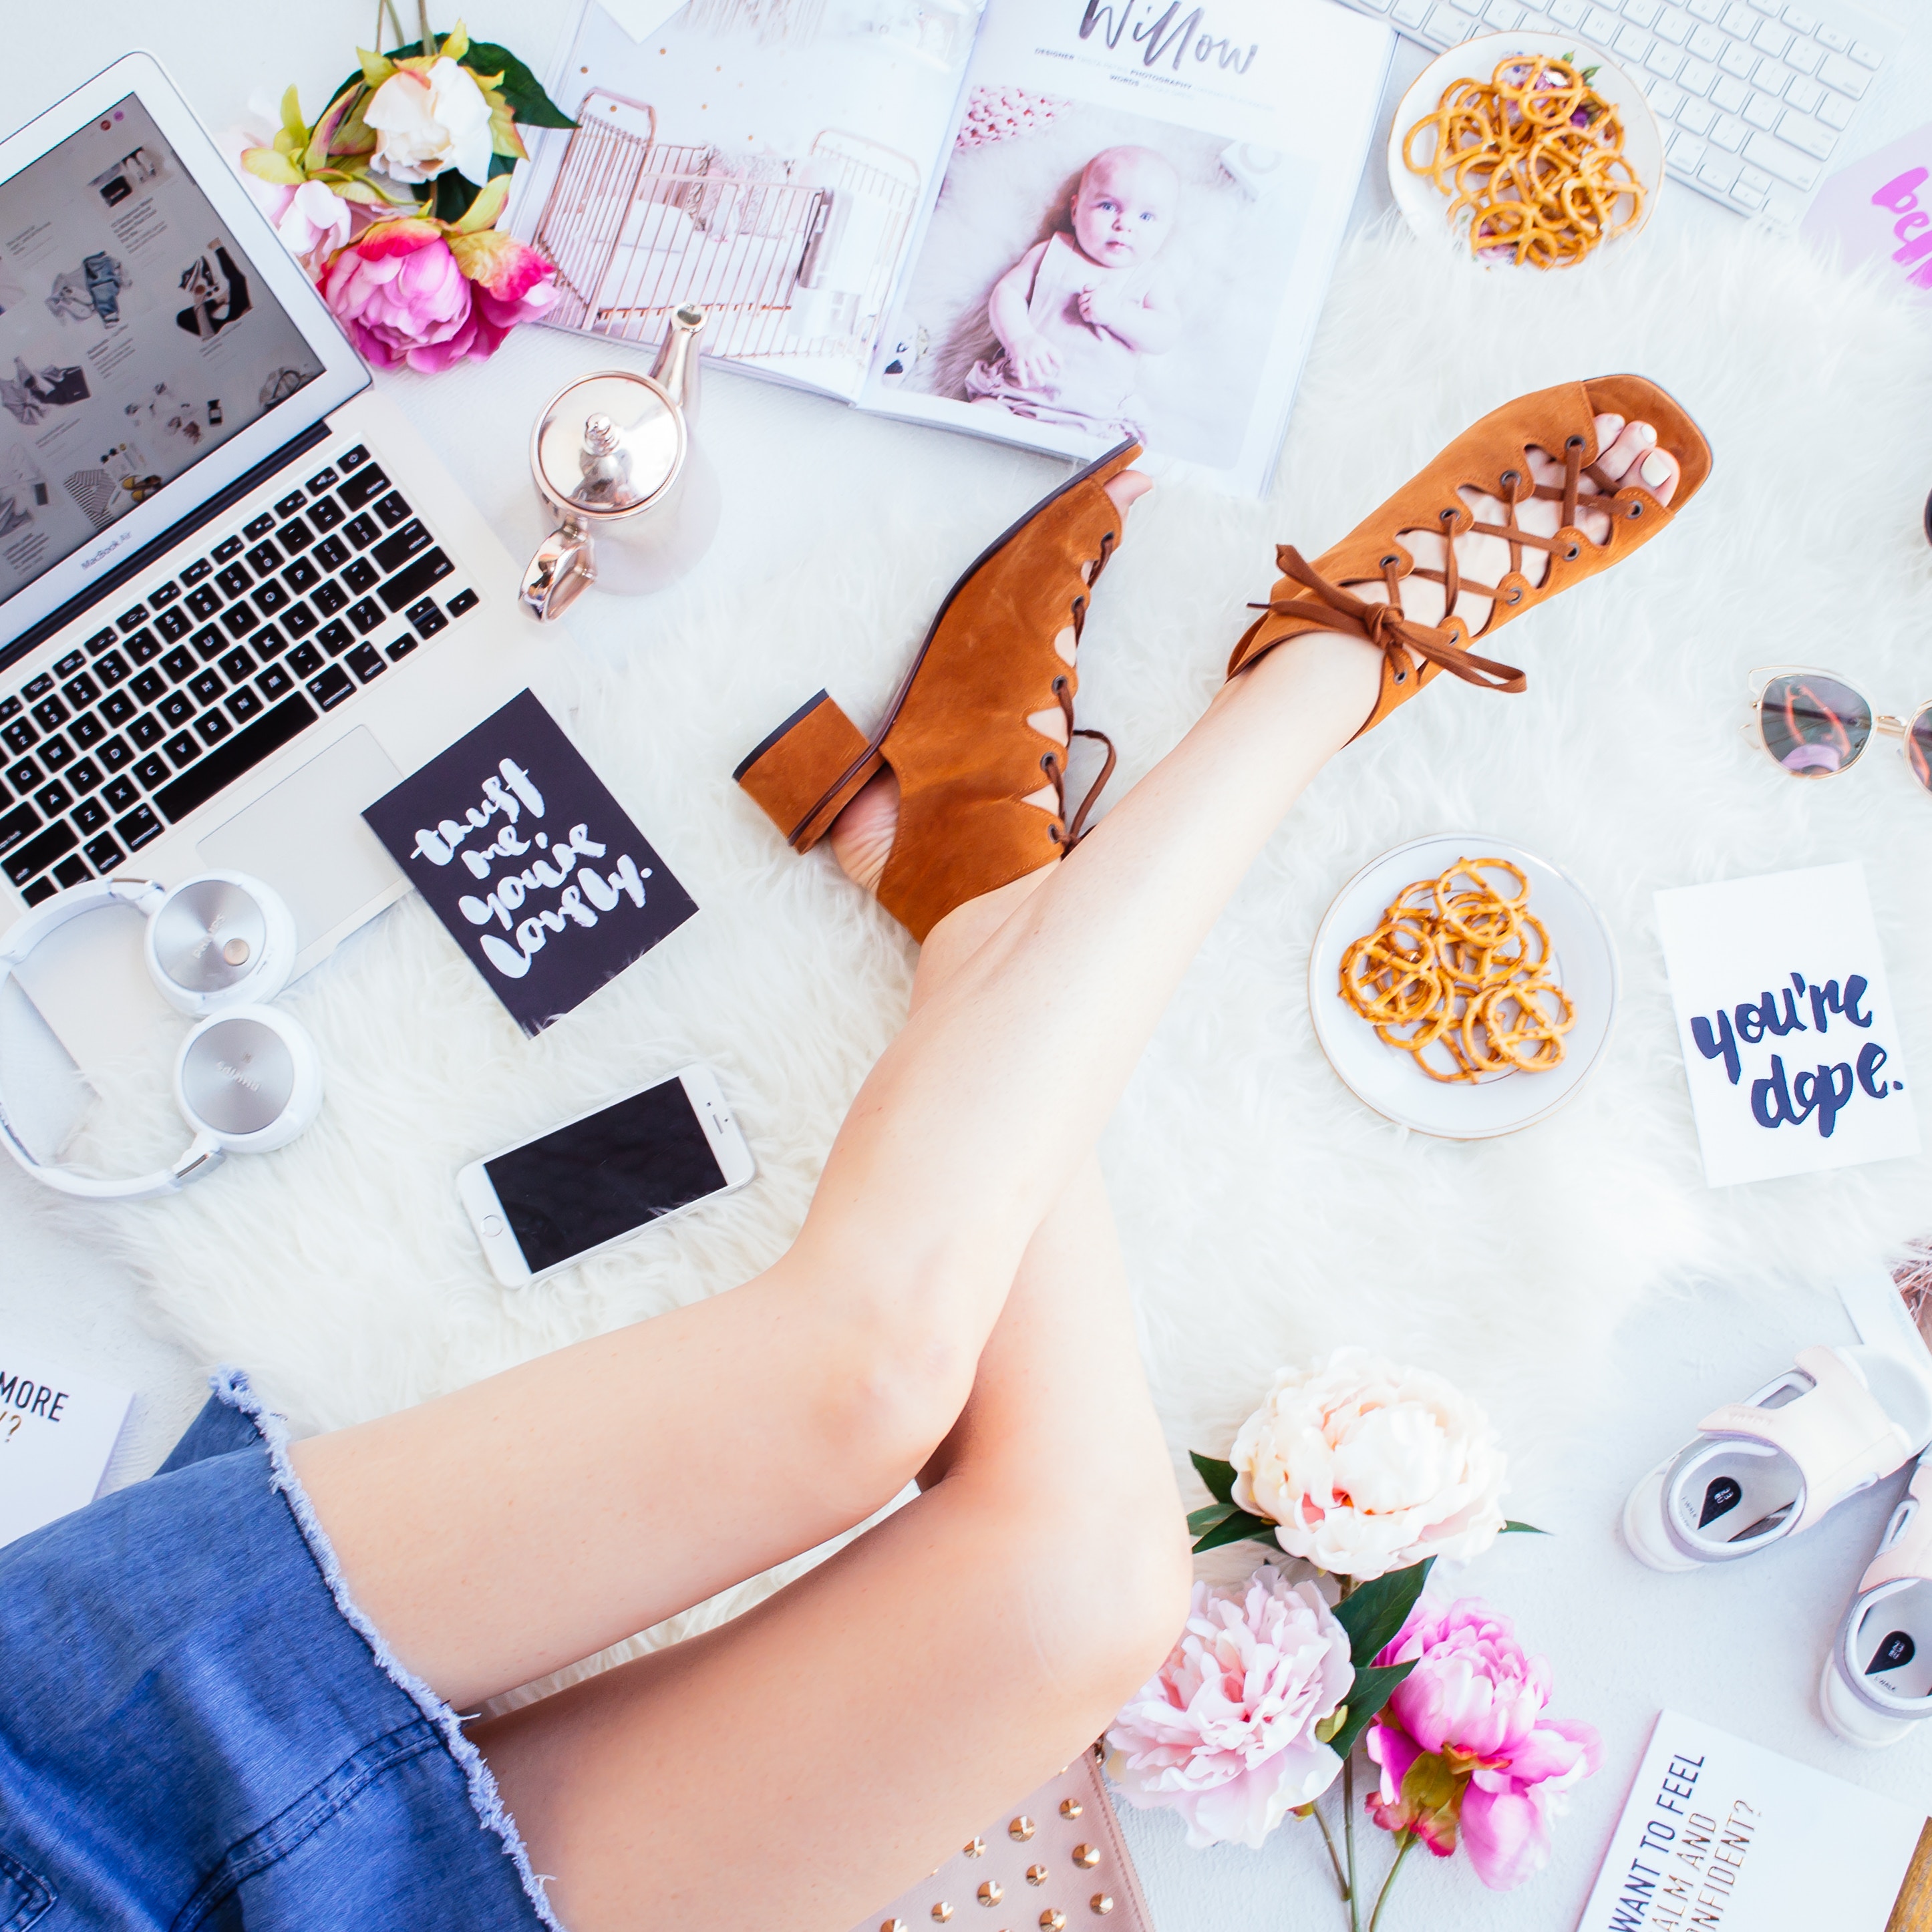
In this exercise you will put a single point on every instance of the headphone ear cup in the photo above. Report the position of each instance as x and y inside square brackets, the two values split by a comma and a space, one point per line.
[219, 940]
[249, 1079]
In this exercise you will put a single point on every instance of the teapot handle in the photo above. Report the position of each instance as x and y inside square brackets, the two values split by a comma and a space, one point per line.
[564, 567]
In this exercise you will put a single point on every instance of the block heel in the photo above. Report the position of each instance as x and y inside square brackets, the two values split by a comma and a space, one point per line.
[805, 773]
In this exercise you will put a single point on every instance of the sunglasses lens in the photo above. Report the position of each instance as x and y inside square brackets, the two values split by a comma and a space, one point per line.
[1813, 726]
[1918, 748]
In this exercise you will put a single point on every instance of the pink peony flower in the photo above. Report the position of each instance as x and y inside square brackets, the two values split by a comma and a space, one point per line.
[1224, 1733]
[510, 282]
[1464, 1748]
[399, 292]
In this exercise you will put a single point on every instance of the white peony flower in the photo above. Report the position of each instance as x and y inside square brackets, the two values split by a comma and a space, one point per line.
[1366, 1467]
[427, 120]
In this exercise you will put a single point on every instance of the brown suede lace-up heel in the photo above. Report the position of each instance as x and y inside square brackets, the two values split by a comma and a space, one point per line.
[1492, 458]
[983, 792]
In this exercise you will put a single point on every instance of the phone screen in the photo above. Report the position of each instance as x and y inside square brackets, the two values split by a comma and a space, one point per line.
[599, 1178]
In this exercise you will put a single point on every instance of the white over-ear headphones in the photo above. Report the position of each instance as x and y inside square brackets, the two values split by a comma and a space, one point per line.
[247, 1079]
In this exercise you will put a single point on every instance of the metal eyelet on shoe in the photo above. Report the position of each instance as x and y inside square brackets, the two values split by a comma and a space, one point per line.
[1513, 594]
[1386, 562]
[1402, 677]
[1047, 764]
[1637, 509]
[1575, 443]
[1448, 516]
[1571, 555]
[1511, 478]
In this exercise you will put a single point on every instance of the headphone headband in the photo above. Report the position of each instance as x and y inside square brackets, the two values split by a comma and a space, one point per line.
[210, 1145]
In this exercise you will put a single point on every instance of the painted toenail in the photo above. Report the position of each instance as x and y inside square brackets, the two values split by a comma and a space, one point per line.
[1656, 471]
[1646, 436]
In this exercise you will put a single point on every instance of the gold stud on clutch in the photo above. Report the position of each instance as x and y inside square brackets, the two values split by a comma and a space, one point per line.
[942, 1912]
[1035, 1875]
[1051, 1921]
[893, 1925]
[992, 1892]
[1071, 1807]
[1086, 1856]
[976, 1848]
[1021, 1829]
[1100, 1902]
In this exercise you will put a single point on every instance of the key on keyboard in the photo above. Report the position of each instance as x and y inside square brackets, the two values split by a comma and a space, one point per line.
[1752, 97]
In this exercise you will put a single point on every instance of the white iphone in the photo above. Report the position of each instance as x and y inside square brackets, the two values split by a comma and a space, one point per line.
[593, 1183]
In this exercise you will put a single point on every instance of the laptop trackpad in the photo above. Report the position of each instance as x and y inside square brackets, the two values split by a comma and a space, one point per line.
[307, 839]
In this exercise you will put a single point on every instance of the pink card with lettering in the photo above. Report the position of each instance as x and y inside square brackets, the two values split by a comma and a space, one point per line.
[1880, 209]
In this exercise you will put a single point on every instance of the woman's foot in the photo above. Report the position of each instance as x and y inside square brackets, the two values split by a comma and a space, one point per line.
[1627, 447]
[862, 835]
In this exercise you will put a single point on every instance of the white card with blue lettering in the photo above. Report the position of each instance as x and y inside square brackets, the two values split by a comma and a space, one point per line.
[1791, 1044]
[58, 1429]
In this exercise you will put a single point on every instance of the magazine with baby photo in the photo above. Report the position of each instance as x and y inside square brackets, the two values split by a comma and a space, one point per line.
[1055, 223]
[1135, 228]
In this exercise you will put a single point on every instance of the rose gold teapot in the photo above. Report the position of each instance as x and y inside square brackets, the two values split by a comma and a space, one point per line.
[613, 457]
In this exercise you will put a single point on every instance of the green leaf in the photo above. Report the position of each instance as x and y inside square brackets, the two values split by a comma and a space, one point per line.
[1522, 1529]
[519, 86]
[1219, 1476]
[1208, 1517]
[1372, 1613]
[1325, 1731]
[292, 122]
[453, 195]
[1238, 1527]
[1366, 1696]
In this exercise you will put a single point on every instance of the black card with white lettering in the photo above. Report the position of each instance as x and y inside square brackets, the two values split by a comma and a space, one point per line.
[536, 870]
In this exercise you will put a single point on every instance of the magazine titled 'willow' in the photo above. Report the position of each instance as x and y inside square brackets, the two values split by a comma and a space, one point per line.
[1055, 222]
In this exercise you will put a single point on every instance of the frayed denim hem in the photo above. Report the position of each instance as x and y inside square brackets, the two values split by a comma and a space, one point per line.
[231, 1386]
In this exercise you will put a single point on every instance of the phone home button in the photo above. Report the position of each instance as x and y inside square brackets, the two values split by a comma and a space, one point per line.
[491, 1226]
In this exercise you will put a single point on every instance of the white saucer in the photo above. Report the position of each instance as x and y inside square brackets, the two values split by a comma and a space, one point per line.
[1386, 1080]
[1424, 206]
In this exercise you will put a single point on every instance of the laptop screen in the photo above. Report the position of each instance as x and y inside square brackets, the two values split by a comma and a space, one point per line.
[135, 338]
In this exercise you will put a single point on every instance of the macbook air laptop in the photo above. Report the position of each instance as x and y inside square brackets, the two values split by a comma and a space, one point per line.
[239, 597]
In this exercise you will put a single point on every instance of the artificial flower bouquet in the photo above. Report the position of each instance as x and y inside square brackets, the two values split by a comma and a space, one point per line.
[1368, 1472]
[390, 200]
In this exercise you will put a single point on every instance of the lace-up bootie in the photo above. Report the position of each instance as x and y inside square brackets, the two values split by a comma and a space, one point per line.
[1489, 460]
[982, 789]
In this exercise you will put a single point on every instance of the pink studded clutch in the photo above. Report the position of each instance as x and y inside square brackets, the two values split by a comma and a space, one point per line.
[1054, 1863]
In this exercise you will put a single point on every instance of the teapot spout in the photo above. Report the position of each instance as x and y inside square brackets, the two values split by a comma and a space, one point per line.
[677, 364]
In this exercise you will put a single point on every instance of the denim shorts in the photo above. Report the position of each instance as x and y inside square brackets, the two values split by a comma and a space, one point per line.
[198, 1729]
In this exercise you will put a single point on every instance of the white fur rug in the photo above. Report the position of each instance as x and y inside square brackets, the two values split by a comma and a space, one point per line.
[1266, 1215]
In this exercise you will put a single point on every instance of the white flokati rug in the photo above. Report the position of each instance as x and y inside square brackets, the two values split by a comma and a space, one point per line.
[1266, 1215]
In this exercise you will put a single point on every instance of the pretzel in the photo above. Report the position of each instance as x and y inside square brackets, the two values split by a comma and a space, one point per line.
[1535, 156]
[1457, 974]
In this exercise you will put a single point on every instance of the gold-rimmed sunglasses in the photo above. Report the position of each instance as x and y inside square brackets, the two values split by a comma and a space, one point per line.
[1813, 725]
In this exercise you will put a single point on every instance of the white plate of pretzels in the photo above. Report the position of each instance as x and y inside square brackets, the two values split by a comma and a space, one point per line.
[1462, 986]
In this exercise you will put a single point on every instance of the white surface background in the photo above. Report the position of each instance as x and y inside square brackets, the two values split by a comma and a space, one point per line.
[1740, 1648]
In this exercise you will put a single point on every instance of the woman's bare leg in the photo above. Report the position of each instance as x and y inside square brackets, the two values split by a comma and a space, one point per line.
[503, 1531]
[806, 1763]
[533, 1519]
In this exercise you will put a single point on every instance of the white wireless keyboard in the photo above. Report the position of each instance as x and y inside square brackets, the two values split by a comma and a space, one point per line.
[1753, 97]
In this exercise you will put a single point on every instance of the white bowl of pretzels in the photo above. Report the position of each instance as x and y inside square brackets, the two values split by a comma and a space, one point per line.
[1462, 986]
[1533, 150]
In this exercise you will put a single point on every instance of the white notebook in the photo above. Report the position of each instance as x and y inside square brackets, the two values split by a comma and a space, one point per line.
[1717, 1833]
[58, 1429]
[1791, 1043]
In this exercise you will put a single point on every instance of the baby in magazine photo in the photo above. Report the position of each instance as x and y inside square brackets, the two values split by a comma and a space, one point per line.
[1076, 313]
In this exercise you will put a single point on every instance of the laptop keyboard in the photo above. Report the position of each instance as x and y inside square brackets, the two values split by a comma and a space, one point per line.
[215, 669]
[1753, 97]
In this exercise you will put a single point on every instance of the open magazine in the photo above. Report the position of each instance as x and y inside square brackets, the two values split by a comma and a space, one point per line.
[1051, 222]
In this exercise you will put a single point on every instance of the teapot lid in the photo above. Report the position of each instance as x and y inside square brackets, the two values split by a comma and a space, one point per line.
[609, 445]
